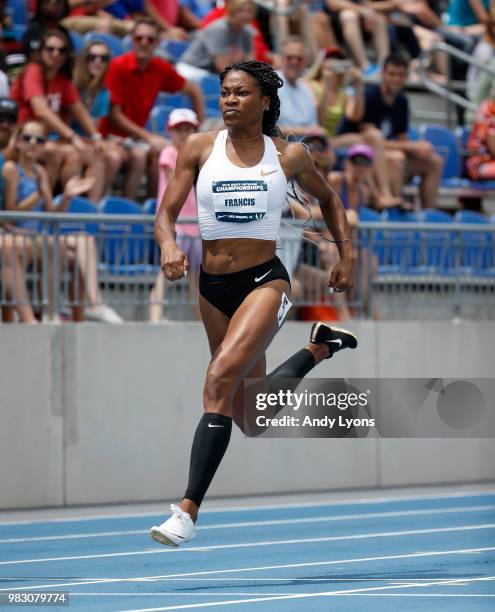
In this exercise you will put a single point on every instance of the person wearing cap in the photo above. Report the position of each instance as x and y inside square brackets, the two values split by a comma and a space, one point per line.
[182, 122]
[134, 80]
[354, 185]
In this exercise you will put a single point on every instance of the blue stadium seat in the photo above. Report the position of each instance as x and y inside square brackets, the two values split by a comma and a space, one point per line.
[113, 42]
[159, 117]
[401, 248]
[77, 41]
[413, 134]
[477, 248]
[210, 85]
[445, 145]
[174, 48]
[18, 31]
[19, 10]
[81, 205]
[173, 100]
[437, 248]
[369, 215]
[149, 206]
[125, 246]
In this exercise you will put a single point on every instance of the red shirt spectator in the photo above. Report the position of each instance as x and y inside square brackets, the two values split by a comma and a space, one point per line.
[135, 90]
[261, 50]
[60, 93]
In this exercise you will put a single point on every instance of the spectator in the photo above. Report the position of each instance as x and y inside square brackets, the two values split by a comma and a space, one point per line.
[482, 90]
[12, 280]
[134, 80]
[340, 92]
[261, 50]
[44, 91]
[356, 189]
[483, 53]
[353, 23]
[166, 14]
[91, 68]
[481, 143]
[226, 40]
[27, 188]
[91, 16]
[48, 16]
[469, 16]
[355, 185]
[182, 122]
[387, 108]
[298, 109]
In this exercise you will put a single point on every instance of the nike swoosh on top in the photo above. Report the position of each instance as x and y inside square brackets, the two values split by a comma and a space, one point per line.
[259, 278]
[263, 173]
[211, 425]
[338, 340]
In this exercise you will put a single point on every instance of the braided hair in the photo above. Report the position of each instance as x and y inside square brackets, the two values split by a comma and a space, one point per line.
[269, 83]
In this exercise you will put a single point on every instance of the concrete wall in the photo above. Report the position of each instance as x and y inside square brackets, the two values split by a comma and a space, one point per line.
[94, 413]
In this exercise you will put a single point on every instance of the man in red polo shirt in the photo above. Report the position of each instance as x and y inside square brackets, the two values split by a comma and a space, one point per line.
[134, 80]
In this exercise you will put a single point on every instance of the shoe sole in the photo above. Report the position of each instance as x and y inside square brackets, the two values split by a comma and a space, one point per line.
[317, 326]
[159, 537]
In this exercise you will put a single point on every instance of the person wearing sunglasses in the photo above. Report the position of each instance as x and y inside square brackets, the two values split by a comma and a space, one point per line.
[134, 80]
[44, 91]
[26, 187]
[89, 75]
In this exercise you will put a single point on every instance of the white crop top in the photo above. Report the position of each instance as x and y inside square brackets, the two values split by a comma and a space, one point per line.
[235, 202]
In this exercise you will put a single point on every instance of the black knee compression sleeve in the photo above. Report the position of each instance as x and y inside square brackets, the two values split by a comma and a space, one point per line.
[209, 445]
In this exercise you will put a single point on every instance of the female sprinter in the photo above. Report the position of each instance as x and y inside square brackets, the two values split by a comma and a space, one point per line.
[241, 176]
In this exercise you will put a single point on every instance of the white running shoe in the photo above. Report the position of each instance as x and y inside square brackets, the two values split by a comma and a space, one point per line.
[178, 529]
[102, 312]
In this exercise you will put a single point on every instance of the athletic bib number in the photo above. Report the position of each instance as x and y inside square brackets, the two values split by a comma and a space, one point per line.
[240, 201]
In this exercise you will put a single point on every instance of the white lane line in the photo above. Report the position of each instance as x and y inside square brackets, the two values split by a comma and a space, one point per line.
[295, 521]
[358, 536]
[82, 581]
[213, 510]
[296, 596]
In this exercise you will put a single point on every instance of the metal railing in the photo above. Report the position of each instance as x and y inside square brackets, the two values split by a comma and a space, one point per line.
[445, 91]
[76, 262]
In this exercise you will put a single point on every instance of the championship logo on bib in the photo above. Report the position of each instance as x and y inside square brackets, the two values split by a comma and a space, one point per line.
[240, 201]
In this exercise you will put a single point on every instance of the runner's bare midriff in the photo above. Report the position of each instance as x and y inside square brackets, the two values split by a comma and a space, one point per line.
[232, 255]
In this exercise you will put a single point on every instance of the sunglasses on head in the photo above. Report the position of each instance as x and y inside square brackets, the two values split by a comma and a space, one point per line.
[142, 38]
[32, 138]
[52, 50]
[92, 57]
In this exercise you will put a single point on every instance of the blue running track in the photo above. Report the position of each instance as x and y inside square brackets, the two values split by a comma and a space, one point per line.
[424, 552]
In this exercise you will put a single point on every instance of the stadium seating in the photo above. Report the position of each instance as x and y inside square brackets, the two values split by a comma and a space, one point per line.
[437, 250]
[77, 42]
[81, 205]
[149, 206]
[113, 42]
[445, 144]
[400, 247]
[174, 48]
[19, 11]
[477, 247]
[158, 118]
[125, 246]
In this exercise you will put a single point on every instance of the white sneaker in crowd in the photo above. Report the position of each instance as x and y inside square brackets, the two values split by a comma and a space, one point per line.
[179, 528]
[102, 312]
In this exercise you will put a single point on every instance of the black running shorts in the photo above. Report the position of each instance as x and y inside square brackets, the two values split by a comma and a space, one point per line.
[227, 291]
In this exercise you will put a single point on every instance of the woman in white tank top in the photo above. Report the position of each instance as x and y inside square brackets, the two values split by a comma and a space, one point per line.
[241, 177]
